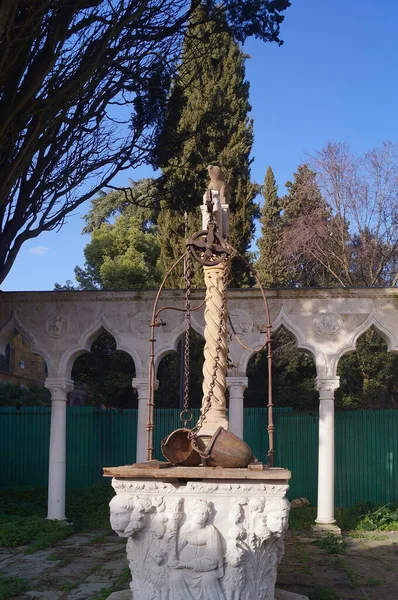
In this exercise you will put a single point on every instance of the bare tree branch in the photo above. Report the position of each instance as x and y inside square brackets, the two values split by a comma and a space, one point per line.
[65, 67]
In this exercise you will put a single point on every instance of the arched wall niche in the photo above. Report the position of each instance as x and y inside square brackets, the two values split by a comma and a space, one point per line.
[169, 391]
[86, 341]
[12, 328]
[293, 374]
[373, 320]
[368, 373]
[282, 320]
[103, 377]
[172, 343]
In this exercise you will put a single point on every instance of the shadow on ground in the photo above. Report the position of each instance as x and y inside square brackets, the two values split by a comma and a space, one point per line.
[366, 568]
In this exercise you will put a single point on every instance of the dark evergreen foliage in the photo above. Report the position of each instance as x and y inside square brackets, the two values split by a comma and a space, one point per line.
[270, 266]
[106, 374]
[207, 123]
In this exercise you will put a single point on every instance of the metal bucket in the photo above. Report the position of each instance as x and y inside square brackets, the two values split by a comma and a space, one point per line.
[224, 449]
[178, 449]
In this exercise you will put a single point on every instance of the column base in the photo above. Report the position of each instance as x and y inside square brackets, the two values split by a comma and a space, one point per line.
[324, 528]
[210, 428]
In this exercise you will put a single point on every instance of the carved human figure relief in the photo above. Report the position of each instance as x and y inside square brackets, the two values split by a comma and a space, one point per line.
[120, 514]
[278, 516]
[327, 323]
[155, 567]
[277, 523]
[258, 521]
[137, 544]
[56, 326]
[234, 580]
[197, 567]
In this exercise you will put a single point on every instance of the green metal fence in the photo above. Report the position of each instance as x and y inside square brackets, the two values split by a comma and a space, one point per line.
[366, 447]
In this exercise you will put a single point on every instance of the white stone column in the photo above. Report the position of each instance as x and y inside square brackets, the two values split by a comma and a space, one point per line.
[326, 387]
[236, 387]
[59, 389]
[141, 384]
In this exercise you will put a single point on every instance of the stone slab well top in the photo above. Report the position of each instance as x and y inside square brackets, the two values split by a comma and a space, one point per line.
[144, 470]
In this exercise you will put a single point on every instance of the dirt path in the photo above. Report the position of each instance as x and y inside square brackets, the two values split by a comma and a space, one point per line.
[367, 569]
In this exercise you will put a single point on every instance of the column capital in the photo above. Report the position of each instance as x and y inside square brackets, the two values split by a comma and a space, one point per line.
[59, 388]
[327, 385]
[240, 381]
[142, 383]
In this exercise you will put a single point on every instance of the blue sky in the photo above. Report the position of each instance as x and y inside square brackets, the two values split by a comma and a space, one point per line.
[335, 78]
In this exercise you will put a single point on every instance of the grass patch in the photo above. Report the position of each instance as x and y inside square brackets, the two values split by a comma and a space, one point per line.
[302, 519]
[23, 501]
[36, 531]
[331, 543]
[99, 539]
[363, 516]
[121, 583]
[351, 575]
[23, 511]
[364, 535]
[68, 587]
[63, 559]
[382, 518]
[366, 516]
[373, 582]
[322, 593]
[89, 509]
[10, 587]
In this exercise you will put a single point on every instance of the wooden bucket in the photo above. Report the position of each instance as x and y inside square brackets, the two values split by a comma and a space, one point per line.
[178, 449]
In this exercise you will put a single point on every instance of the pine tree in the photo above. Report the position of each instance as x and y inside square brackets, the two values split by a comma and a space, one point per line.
[270, 265]
[207, 123]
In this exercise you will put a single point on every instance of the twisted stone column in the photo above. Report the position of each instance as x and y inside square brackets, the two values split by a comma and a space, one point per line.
[216, 416]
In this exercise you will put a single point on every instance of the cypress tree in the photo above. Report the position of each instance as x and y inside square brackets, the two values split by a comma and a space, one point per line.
[270, 265]
[207, 123]
[304, 209]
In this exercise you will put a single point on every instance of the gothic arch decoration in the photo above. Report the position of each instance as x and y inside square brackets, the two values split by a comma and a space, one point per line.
[282, 320]
[173, 340]
[372, 320]
[14, 326]
[85, 342]
[198, 322]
